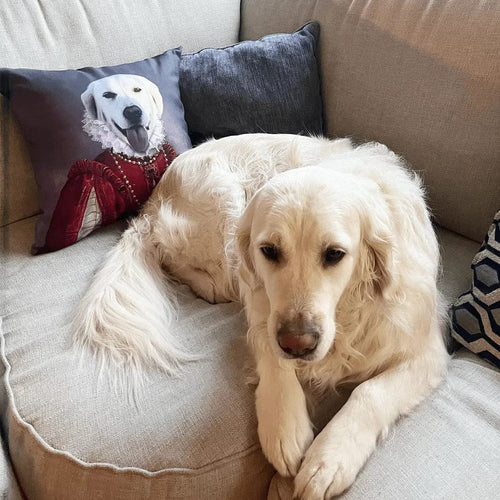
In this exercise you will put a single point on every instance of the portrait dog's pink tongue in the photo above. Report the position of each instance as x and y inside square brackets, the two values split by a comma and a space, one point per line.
[138, 138]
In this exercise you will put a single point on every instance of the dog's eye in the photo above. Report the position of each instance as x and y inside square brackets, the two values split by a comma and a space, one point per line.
[137, 89]
[332, 256]
[270, 252]
[109, 95]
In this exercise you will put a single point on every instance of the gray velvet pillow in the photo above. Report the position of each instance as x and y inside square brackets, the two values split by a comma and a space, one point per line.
[268, 85]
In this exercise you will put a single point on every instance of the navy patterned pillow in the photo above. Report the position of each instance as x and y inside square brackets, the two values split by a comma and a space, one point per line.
[476, 314]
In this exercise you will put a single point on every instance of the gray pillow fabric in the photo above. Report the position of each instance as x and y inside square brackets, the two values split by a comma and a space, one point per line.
[268, 85]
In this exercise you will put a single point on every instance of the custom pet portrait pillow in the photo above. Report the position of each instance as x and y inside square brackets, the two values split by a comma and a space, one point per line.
[99, 138]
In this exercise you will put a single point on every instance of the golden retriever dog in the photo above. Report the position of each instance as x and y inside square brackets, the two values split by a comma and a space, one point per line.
[331, 251]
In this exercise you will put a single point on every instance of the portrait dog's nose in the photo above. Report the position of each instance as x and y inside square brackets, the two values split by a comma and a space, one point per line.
[132, 113]
[298, 337]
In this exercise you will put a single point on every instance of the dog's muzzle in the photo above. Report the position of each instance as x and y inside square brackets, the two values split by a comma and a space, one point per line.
[136, 134]
[298, 337]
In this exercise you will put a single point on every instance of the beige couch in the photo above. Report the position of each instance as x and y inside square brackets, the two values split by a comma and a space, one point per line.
[422, 77]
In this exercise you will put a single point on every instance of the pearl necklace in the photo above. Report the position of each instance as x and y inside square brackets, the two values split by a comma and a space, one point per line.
[148, 160]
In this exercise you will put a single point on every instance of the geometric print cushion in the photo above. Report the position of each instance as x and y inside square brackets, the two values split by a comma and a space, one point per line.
[475, 316]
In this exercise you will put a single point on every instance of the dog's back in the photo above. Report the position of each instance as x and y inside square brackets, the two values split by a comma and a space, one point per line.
[188, 228]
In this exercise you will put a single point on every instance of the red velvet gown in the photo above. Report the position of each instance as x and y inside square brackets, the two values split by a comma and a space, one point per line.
[102, 190]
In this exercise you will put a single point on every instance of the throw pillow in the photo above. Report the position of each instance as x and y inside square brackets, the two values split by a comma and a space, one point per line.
[268, 85]
[99, 140]
[476, 314]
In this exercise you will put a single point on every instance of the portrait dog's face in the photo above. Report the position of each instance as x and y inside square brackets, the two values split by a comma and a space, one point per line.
[129, 105]
[304, 238]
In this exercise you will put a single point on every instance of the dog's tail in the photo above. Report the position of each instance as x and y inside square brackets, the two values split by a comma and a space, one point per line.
[124, 317]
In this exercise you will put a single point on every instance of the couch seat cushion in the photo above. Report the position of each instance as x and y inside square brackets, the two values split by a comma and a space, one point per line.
[72, 435]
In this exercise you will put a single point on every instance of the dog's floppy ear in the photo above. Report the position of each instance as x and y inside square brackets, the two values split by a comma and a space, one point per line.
[243, 241]
[156, 97]
[382, 255]
[377, 252]
[89, 102]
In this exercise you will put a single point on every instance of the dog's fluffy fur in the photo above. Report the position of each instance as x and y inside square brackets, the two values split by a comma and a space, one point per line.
[374, 309]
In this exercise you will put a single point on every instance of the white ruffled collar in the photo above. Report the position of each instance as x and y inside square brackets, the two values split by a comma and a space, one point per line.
[100, 132]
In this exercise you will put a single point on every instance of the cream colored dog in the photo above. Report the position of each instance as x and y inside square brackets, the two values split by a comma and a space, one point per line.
[332, 252]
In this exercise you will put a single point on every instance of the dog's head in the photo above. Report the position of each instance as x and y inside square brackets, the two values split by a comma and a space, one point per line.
[128, 106]
[309, 237]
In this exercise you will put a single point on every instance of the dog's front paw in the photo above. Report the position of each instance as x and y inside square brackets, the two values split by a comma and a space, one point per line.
[285, 431]
[329, 468]
[285, 442]
[323, 478]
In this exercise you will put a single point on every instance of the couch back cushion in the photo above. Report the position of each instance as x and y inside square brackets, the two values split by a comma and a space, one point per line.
[421, 77]
[69, 35]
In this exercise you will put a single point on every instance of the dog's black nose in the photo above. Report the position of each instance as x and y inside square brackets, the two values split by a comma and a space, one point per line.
[133, 114]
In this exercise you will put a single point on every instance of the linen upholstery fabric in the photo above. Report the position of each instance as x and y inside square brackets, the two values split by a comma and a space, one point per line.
[71, 436]
[73, 34]
[72, 172]
[4, 472]
[475, 316]
[270, 85]
[421, 77]
[457, 253]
